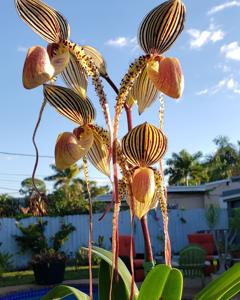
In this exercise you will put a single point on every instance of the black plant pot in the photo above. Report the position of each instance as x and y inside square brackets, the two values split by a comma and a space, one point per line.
[49, 273]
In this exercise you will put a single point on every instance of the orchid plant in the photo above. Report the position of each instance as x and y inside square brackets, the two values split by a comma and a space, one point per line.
[139, 153]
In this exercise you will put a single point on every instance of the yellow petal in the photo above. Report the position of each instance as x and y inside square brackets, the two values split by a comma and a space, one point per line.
[70, 147]
[98, 155]
[37, 68]
[59, 57]
[144, 91]
[166, 74]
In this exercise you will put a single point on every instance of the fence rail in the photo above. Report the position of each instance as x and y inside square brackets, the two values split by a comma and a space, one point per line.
[181, 223]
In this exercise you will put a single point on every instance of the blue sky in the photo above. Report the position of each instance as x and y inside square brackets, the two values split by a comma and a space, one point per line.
[209, 51]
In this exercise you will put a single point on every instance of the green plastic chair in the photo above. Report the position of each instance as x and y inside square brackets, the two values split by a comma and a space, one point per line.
[192, 262]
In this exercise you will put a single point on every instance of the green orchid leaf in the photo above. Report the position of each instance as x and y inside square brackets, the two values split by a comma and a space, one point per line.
[162, 282]
[224, 287]
[61, 291]
[44, 20]
[70, 104]
[119, 290]
[122, 270]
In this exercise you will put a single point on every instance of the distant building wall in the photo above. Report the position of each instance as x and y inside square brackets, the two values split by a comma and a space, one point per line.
[186, 200]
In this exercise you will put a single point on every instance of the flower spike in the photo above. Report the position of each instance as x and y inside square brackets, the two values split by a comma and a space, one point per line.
[44, 20]
[161, 26]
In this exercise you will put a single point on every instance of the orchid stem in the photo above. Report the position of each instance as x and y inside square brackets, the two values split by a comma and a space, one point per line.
[144, 224]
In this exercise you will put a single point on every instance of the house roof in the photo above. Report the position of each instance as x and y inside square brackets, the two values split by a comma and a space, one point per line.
[231, 195]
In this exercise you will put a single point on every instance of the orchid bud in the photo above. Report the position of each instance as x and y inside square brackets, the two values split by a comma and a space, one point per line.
[70, 147]
[166, 74]
[37, 68]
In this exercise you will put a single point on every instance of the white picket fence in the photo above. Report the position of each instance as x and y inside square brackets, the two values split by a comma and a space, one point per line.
[181, 223]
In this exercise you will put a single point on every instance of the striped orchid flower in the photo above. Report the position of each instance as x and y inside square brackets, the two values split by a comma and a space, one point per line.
[87, 140]
[149, 74]
[74, 62]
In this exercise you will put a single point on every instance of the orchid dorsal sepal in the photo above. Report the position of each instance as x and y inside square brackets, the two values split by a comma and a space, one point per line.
[44, 20]
[70, 147]
[161, 26]
[166, 75]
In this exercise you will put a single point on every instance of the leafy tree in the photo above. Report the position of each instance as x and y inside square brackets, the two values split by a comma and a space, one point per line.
[9, 206]
[70, 194]
[185, 169]
[225, 161]
[27, 187]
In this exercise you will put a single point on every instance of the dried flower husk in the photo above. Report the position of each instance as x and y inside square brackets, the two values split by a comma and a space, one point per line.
[59, 57]
[144, 91]
[161, 26]
[144, 145]
[166, 75]
[37, 68]
[70, 147]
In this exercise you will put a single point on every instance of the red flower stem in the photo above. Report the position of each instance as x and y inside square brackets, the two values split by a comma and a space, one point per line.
[147, 240]
[144, 224]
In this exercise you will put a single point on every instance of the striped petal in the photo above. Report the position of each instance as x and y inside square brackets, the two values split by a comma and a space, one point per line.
[70, 147]
[97, 58]
[44, 20]
[75, 77]
[166, 74]
[144, 91]
[161, 26]
[37, 68]
[144, 145]
[98, 155]
[70, 104]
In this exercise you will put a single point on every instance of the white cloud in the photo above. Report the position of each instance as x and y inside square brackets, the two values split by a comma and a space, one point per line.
[202, 92]
[122, 42]
[231, 51]
[199, 38]
[229, 84]
[223, 6]
[22, 49]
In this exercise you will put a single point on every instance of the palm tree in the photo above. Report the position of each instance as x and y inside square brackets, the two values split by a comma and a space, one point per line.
[225, 162]
[64, 178]
[185, 169]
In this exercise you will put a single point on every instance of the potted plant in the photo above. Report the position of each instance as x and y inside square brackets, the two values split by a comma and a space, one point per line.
[48, 261]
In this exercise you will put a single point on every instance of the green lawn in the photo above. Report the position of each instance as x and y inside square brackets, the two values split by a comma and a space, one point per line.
[27, 277]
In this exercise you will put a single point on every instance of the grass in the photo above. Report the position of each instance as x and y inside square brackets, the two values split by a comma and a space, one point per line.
[27, 277]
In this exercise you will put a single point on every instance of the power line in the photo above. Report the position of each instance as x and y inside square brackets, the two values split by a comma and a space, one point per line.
[25, 154]
[9, 189]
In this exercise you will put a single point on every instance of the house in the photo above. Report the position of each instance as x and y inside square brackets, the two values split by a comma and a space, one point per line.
[219, 192]
[224, 193]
